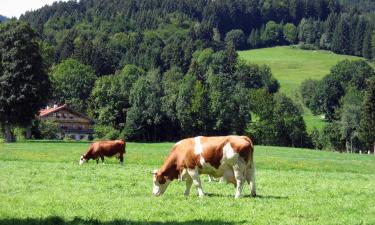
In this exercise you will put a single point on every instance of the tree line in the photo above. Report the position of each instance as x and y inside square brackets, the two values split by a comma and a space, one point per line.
[199, 91]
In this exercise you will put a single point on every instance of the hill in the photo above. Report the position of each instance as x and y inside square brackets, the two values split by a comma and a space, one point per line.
[42, 183]
[291, 66]
[3, 18]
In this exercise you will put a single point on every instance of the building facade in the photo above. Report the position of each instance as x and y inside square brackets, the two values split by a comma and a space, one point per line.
[71, 124]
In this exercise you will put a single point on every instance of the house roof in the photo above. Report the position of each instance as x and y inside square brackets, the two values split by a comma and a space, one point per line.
[46, 112]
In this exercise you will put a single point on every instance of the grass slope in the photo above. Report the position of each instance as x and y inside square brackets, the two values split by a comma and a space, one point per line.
[41, 183]
[291, 66]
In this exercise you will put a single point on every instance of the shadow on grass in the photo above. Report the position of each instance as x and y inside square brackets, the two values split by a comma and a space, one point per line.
[247, 196]
[79, 221]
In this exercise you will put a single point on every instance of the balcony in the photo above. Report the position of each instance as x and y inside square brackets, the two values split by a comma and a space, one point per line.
[76, 130]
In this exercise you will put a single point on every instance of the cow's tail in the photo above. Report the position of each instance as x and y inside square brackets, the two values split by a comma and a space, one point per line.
[251, 158]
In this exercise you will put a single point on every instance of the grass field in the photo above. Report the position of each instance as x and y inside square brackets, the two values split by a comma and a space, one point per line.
[42, 183]
[291, 66]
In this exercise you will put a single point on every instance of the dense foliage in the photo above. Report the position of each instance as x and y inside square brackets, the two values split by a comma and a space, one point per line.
[24, 85]
[109, 35]
[345, 98]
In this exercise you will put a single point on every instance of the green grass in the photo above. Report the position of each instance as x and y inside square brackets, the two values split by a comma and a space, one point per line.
[42, 183]
[291, 66]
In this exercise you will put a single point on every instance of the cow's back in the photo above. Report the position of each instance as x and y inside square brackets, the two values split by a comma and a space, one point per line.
[109, 148]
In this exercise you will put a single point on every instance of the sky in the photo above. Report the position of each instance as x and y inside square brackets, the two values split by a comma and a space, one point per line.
[14, 8]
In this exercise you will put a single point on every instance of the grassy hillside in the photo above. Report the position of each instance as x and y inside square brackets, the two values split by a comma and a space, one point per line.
[42, 183]
[291, 66]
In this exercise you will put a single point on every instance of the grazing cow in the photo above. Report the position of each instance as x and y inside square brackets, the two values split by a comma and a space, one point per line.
[228, 156]
[104, 148]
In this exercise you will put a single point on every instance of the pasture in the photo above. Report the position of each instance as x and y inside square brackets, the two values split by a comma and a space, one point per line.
[42, 183]
[291, 66]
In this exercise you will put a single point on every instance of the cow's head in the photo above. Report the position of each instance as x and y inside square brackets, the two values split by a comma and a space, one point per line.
[82, 160]
[160, 183]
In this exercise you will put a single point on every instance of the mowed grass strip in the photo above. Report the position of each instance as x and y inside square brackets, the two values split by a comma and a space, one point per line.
[42, 183]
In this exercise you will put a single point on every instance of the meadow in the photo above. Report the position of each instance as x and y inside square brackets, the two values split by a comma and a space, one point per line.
[291, 66]
[42, 183]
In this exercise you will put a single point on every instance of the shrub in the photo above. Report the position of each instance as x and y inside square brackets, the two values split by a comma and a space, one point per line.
[48, 129]
[106, 132]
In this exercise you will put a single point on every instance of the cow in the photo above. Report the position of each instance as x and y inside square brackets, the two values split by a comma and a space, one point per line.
[99, 149]
[228, 156]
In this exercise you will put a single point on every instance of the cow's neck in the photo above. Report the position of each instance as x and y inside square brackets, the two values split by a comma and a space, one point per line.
[169, 168]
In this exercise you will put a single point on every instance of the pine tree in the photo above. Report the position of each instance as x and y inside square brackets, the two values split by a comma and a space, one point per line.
[360, 32]
[367, 125]
[341, 37]
[254, 39]
[367, 46]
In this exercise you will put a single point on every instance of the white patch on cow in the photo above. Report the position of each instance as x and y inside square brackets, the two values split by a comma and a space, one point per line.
[82, 160]
[178, 143]
[228, 154]
[198, 149]
[202, 161]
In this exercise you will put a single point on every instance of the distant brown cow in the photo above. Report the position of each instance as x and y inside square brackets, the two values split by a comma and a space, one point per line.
[104, 148]
[230, 157]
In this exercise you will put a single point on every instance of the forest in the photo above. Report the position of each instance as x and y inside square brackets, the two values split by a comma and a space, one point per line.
[162, 70]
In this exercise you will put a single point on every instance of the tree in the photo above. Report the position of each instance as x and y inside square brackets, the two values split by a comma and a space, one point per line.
[191, 105]
[290, 33]
[254, 40]
[272, 34]
[360, 32]
[367, 124]
[308, 88]
[24, 84]
[72, 84]
[144, 119]
[350, 117]
[341, 37]
[367, 45]
[237, 38]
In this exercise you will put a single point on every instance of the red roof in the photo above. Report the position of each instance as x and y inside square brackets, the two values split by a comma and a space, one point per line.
[45, 112]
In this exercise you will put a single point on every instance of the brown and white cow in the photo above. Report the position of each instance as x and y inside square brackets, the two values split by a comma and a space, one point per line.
[228, 156]
[100, 149]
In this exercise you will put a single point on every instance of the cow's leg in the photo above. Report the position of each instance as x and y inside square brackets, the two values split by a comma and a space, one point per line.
[250, 178]
[196, 181]
[102, 157]
[97, 160]
[239, 174]
[210, 179]
[189, 182]
[121, 157]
